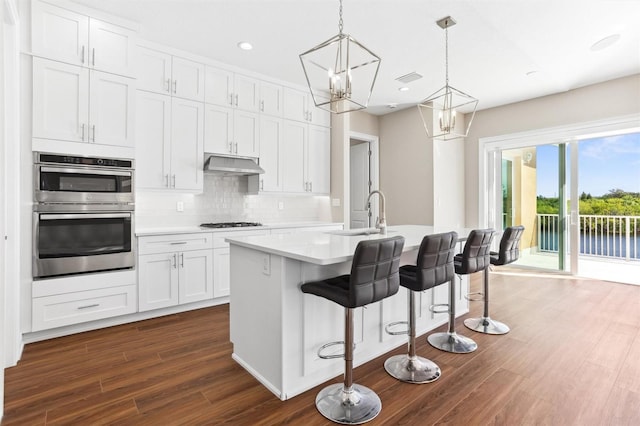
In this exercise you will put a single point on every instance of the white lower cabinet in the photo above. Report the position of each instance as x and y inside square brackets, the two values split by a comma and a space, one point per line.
[174, 269]
[58, 302]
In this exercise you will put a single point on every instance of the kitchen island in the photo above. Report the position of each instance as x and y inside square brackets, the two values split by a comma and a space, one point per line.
[276, 330]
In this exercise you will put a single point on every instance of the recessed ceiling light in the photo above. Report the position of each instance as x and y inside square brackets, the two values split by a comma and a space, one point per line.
[392, 106]
[245, 45]
[403, 89]
[605, 42]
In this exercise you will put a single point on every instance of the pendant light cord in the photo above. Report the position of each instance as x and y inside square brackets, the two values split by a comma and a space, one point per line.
[340, 25]
[446, 53]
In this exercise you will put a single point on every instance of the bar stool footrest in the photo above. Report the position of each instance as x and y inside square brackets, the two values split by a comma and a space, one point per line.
[328, 345]
[469, 297]
[389, 326]
[433, 308]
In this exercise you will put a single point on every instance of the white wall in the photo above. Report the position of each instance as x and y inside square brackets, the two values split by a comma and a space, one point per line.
[610, 99]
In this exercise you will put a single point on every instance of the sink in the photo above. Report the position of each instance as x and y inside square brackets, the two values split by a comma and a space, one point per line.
[357, 232]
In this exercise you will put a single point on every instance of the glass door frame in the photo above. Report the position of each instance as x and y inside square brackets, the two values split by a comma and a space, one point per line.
[490, 168]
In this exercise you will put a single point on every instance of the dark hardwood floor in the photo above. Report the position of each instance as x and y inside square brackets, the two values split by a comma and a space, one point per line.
[571, 358]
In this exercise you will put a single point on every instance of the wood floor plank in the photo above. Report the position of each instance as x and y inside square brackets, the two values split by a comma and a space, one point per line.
[571, 358]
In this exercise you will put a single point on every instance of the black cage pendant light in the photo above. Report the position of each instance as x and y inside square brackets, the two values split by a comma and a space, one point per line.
[439, 111]
[340, 72]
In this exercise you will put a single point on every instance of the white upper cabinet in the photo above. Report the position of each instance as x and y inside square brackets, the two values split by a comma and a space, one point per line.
[294, 139]
[75, 104]
[318, 158]
[161, 72]
[70, 37]
[271, 99]
[218, 129]
[270, 155]
[225, 88]
[169, 143]
[299, 106]
[188, 79]
[154, 71]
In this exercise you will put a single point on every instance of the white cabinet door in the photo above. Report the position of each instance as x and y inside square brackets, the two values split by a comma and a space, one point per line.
[295, 104]
[221, 275]
[60, 101]
[294, 137]
[188, 79]
[111, 106]
[196, 275]
[270, 140]
[59, 33]
[318, 160]
[245, 134]
[187, 144]
[318, 116]
[112, 48]
[153, 140]
[157, 281]
[246, 95]
[270, 99]
[154, 71]
[218, 87]
[218, 129]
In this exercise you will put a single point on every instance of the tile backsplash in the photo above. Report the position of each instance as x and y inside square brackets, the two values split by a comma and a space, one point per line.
[225, 199]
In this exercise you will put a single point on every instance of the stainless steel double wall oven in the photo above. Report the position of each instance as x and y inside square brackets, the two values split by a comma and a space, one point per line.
[83, 214]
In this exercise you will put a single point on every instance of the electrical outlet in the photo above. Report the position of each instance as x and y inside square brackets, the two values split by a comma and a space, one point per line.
[180, 206]
[335, 202]
[266, 264]
[280, 205]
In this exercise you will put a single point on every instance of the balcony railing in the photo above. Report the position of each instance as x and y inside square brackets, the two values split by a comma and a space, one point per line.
[608, 236]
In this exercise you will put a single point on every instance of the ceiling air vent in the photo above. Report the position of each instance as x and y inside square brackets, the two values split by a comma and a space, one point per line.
[408, 78]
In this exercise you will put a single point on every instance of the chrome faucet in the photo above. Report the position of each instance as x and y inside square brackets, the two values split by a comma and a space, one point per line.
[381, 222]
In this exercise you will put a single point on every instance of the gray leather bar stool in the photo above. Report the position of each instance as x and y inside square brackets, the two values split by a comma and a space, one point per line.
[374, 276]
[434, 266]
[509, 252]
[474, 258]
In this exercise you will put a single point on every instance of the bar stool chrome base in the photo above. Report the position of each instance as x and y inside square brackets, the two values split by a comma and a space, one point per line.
[486, 325]
[412, 370]
[452, 342]
[348, 407]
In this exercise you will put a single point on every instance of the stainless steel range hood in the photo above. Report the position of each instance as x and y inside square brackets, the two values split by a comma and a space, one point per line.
[232, 166]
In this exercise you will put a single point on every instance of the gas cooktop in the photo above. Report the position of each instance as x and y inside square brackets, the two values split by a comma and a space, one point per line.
[230, 224]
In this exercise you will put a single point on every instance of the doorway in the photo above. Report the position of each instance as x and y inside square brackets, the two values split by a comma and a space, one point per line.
[363, 178]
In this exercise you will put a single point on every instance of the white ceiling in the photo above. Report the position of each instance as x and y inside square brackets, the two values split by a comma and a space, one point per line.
[491, 49]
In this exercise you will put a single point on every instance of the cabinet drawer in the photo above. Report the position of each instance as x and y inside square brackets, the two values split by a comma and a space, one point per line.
[174, 242]
[82, 306]
[219, 242]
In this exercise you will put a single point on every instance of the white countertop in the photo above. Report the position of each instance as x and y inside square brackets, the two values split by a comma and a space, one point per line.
[324, 248]
[194, 228]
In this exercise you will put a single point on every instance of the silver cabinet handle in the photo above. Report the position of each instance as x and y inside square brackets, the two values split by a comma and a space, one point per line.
[235, 148]
[230, 147]
[94, 305]
[175, 86]
[83, 132]
[82, 58]
[178, 242]
[310, 115]
[236, 100]
[174, 264]
[166, 180]
[168, 85]
[174, 180]
[182, 260]
[310, 186]
[262, 106]
[94, 132]
[93, 56]
[231, 99]
[261, 184]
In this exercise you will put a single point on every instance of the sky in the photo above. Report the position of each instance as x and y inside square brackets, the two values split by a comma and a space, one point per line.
[606, 163]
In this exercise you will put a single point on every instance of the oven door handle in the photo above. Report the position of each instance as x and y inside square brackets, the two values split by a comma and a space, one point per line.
[45, 216]
[84, 171]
